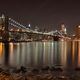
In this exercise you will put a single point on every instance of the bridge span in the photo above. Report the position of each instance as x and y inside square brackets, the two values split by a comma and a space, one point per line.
[11, 30]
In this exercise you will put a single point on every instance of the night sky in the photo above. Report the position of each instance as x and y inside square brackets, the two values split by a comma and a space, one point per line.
[48, 14]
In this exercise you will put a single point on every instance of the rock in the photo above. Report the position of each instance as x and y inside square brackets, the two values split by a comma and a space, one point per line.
[56, 69]
[36, 71]
[16, 71]
[52, 68]
[23, 69]
[77, 68]
[45, 68]
[59, 69]
[61, 78]
[6, 73]
[1, 70]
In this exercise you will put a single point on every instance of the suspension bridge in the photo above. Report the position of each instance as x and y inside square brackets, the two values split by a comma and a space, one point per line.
[11, 30]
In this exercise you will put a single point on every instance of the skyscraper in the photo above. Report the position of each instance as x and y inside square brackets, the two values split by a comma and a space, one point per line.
[78, 32]
[63, 29]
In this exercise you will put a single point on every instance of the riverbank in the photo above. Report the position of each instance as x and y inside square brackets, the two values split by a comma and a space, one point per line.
[44, 73]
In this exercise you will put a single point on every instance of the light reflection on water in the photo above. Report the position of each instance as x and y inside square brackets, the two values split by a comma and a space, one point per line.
[79, 54]
[37, 54]
[1, 53]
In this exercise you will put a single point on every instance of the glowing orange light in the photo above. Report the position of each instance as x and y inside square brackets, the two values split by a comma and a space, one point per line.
[0, 49]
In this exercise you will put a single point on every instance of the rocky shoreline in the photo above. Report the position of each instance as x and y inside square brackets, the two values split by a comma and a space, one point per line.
[44, 73]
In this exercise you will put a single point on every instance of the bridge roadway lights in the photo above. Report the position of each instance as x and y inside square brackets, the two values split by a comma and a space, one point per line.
[35, 37]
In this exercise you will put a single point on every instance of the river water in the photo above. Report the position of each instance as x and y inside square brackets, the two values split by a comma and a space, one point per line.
[37, 54]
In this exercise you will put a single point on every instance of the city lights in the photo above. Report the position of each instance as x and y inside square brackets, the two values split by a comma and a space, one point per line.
[60, 34]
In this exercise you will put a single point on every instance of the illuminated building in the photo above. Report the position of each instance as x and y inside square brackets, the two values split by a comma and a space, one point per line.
[29, 26]
[36, 28]
[63, 29]
[78, 31]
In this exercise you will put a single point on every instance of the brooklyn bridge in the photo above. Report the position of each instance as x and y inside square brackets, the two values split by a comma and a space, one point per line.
[11, 30]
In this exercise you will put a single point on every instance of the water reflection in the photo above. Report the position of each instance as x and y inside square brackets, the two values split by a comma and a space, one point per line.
[37, 54]
[1, 49]
[73, 52]
[63, 51]
[1, 53]
[79, 54]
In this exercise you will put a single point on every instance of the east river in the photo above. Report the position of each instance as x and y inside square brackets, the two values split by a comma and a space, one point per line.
[37, 54]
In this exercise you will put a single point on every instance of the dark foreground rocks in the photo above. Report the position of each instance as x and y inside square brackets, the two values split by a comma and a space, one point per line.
[44, 73]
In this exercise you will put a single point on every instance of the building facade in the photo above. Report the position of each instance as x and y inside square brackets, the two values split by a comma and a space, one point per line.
[77, 30]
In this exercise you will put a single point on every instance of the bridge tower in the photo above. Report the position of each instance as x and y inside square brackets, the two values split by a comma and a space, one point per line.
[5, 24]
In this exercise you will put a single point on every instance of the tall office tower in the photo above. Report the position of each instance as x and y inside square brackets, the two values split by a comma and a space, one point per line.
[78, 31]
[36, 28]
[63, 29]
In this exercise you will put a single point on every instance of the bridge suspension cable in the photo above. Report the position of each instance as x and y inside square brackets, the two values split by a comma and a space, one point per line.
[17, 24]
[14, 25]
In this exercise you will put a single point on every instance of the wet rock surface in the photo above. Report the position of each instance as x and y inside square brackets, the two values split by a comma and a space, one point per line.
[44, 73]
